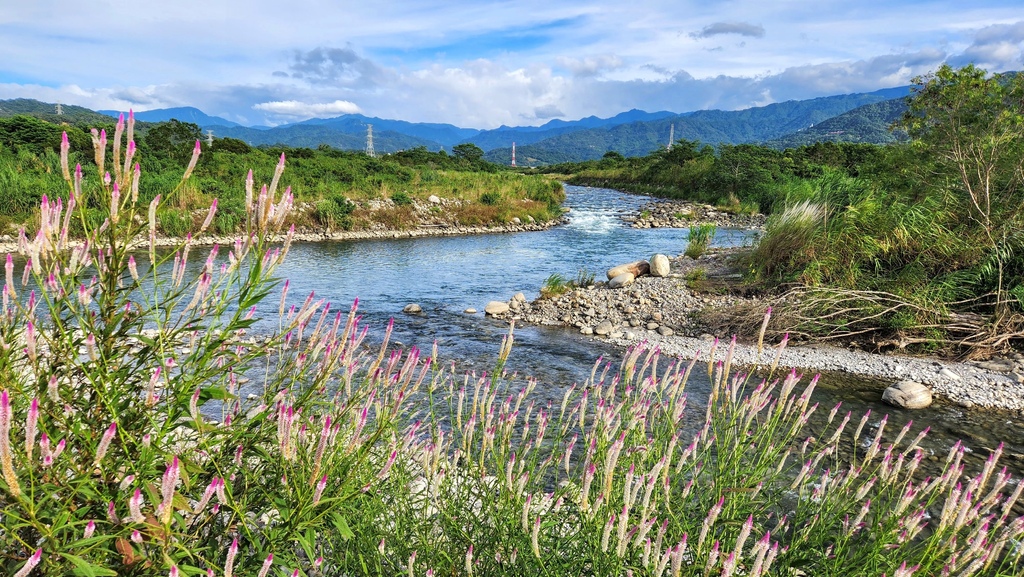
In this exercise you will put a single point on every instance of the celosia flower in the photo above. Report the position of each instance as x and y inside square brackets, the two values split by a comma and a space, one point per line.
[135, 507]
[6, 462]
[30, 428]
[30, 564]
[229, 563]
[167, 490]
[90, 528]
[319, 491]
[108, 436]
[267, 563]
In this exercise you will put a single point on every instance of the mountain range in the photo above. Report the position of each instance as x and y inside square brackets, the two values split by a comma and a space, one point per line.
[860, 117]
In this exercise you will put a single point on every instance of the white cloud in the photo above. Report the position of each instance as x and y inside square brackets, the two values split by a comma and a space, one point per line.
[308, 110]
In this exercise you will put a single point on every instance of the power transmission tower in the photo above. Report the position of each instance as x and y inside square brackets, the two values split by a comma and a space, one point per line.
[671, 136]
[209, 137]
[60, 110]
[369, 141]
[513, 154]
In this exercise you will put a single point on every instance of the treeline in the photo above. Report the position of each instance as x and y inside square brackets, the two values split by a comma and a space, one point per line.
[743, 177]
[912, 243]
[334, 185]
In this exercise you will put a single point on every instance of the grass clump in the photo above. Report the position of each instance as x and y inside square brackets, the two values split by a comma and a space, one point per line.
[699, 239]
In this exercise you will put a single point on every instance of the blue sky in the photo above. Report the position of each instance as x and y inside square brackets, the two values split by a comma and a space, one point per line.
[485, 63]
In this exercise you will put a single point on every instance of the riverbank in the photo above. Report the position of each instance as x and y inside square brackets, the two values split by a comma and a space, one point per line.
[666, 312]
[427, 223]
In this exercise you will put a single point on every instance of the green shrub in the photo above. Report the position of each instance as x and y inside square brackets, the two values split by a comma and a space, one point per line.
[401, 198]
[490, 198]
[334, 212]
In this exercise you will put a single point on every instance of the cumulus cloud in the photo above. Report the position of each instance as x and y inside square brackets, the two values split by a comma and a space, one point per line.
[997, 48]
[308, 110]
[590, 66]
[741, 28]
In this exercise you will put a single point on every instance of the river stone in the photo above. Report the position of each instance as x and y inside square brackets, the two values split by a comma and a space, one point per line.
[665, 331]
[519, 297]
[659, 265]
[604, 328]
[412, 308]
[433, 199]
[638, 269]
[619, 281]
[908, 395]
[470, 311]
[496, 308]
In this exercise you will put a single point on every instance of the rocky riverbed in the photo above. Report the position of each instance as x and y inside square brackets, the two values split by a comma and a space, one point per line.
[665, 312]
[684, 214]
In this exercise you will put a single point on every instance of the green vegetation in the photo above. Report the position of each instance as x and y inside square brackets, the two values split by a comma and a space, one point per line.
[699, 239]
[321, 179]
[557, 284]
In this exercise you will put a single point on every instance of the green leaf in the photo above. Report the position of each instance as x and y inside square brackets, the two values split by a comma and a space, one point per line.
[342, 526]
[87, 569]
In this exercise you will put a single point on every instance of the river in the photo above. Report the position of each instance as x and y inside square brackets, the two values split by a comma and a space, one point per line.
[446, 275]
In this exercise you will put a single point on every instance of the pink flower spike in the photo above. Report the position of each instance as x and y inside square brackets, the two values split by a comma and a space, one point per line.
[135, 507]
[320, 486]
[31, 424]
[267, 563]
[173, 572]
[30, 564]
[229, 563]
[90, 528]
[167, 490]
[108, 436]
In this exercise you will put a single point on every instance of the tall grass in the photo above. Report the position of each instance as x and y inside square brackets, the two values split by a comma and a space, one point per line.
[131, 443]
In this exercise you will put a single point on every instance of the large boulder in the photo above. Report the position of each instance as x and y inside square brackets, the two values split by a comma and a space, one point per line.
[496, 308]
[619, 281]
[637, 269]
[604, 328]
[412, 308]
[908, 395]
[659, 265]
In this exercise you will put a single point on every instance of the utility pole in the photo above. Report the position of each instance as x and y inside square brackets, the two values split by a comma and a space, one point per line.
[369, 141]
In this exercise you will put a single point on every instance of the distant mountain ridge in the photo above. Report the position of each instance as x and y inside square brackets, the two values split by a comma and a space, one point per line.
[860, 117]
[181, 113]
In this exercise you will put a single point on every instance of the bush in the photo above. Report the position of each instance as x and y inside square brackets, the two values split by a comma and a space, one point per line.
[490, 198]
[401, 198]
[334, 212]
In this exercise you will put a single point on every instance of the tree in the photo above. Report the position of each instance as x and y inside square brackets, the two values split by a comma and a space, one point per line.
[173, 138]
[973, 124]
[468, 151]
